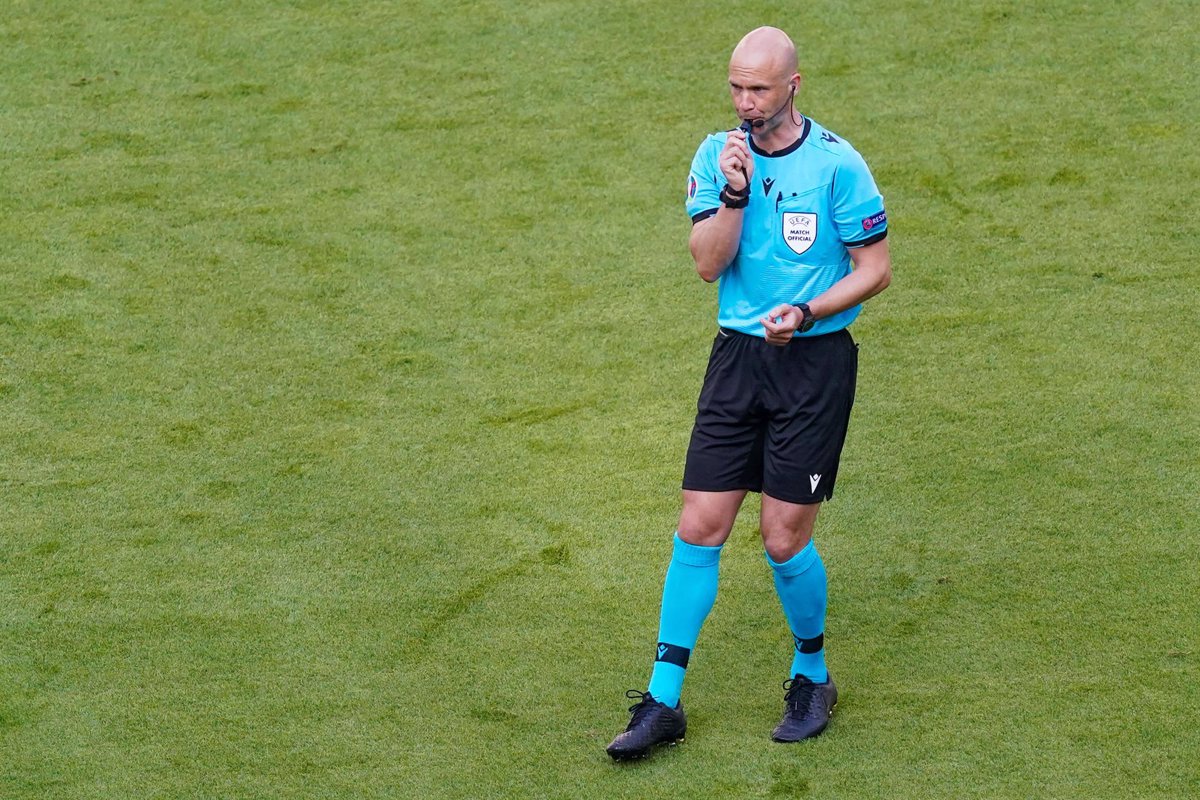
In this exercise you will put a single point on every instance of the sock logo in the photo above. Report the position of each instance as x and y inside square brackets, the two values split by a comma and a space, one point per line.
[673, 654]
[814, 480]
[810, 646]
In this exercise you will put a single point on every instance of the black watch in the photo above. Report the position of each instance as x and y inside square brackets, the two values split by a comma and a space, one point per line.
[807, 323]
[734, 199]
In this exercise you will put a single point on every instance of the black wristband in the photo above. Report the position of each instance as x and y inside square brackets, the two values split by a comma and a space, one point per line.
[807, 320]
[733, 199]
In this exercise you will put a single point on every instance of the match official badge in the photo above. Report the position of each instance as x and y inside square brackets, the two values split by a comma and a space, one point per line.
[691, 187]
[799, 231]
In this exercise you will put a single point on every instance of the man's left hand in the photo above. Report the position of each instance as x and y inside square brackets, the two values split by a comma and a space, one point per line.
[781, 323]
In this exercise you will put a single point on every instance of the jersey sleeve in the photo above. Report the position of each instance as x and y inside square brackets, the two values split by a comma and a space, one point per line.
[858, 209]
[705, 181]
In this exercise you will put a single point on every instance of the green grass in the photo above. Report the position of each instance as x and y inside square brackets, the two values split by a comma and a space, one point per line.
[348, 353]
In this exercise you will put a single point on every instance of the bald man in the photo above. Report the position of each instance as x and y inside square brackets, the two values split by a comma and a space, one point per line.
[786, 215]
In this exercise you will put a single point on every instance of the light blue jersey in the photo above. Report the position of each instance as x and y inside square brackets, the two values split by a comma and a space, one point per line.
[809, 205]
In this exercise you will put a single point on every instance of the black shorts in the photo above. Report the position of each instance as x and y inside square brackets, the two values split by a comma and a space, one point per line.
[773, 419]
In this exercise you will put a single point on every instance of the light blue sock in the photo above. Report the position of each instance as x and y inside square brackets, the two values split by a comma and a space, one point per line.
[801, 584]
[688, 595]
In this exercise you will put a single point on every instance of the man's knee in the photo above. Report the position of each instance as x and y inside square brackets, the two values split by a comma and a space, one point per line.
[703, 531]
[786, 527]
[782, 545]
[708, 517]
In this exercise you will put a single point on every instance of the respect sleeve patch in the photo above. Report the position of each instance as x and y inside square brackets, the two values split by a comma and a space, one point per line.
[871, 222]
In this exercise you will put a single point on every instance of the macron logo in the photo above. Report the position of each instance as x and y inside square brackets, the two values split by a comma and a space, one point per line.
[814, 480]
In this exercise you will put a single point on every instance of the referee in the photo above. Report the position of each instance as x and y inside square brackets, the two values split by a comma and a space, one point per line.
[785, 214]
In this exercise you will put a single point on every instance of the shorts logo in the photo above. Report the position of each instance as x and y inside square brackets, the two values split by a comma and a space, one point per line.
[799, 231]
[871, 222]
[691, 187]
[814, 480]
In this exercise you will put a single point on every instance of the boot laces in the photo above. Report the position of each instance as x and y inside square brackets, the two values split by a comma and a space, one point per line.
[800, 693]
[640, 709]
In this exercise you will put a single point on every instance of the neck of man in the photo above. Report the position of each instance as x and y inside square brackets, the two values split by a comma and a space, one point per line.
[781, 132]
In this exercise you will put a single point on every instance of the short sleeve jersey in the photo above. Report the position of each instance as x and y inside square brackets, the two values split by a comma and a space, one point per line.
[810, 204]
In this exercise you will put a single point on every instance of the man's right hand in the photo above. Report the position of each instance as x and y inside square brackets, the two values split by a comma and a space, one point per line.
[736, 162]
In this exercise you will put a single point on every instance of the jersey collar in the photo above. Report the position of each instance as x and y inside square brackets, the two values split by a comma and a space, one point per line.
[791, 148]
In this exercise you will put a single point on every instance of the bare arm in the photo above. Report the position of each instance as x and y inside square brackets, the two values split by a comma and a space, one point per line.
[713, 242]
[871, 275]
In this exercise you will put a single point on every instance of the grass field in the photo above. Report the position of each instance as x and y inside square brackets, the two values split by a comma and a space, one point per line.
[348, 353]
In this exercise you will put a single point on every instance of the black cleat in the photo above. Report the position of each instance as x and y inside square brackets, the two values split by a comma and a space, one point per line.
[808, 709]
[652, 723]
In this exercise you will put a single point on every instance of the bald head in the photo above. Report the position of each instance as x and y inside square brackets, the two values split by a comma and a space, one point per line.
[763, 82]
[766, 51]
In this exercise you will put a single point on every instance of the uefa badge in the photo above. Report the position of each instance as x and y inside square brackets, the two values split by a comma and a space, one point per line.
[691, 189]
[799, 231]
